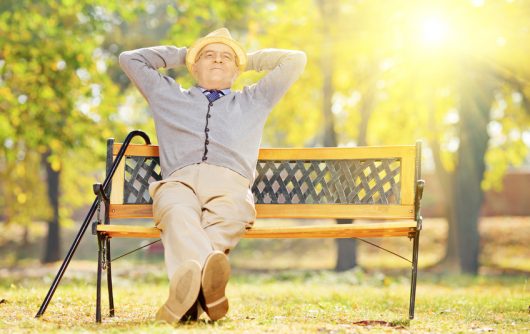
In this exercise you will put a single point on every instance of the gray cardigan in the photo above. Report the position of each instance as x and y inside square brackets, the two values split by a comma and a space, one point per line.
[236, 120]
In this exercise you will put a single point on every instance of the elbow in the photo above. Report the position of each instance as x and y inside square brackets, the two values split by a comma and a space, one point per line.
[124, 58]
[300, 59]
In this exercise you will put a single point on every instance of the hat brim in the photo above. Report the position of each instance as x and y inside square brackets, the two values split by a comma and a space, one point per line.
[193, 51]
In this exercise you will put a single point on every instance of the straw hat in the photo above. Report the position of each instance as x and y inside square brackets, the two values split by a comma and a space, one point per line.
[223, 36]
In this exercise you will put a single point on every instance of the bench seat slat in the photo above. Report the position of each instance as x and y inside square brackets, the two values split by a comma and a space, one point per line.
[291, 211]
[373, 230]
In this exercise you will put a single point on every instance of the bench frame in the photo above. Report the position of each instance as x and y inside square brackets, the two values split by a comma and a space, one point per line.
[407, 209]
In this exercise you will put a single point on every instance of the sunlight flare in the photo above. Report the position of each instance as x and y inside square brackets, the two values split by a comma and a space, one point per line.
[434, 31]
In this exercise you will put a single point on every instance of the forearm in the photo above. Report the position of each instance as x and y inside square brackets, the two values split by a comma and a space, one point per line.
[284, 66]
[141, 65]
[154, 57]
[269, 59]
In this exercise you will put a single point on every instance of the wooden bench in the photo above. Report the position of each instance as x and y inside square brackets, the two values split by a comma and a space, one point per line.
[369, 183]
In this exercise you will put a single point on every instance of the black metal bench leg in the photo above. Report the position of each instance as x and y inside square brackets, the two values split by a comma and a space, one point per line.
[109, 279]
[414, 275]
[98, 284]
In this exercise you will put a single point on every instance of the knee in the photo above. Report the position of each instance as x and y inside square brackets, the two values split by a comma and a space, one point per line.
[225, 235]
[173, 214]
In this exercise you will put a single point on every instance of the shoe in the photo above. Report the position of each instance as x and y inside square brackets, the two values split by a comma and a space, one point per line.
[184, 289]
[215, 275]
[191, 314]
[194, 313]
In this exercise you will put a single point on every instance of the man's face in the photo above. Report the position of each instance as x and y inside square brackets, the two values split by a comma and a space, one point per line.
[216, 67]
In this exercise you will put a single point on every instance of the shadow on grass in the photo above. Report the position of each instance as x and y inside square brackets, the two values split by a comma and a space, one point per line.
[398, 324]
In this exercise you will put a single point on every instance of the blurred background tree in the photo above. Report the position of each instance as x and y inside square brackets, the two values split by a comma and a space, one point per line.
[454, 73]
[64, 94]
[57, 104]
[451, 72]
[458, 68]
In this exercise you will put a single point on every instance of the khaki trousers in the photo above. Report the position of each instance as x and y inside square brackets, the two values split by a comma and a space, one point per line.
[201, 208]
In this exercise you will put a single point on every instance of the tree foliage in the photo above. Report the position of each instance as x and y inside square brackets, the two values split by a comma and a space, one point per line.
[399, 71]
[401, 68]
[57, 103]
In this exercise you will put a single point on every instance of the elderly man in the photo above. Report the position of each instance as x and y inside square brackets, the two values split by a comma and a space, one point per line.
[209, 137]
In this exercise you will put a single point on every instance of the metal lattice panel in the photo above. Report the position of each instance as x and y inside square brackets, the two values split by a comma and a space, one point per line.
[139, 172]
[294, 182]
[328, 182]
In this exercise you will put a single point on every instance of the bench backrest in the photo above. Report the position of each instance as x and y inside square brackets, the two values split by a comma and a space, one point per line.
[360, 182]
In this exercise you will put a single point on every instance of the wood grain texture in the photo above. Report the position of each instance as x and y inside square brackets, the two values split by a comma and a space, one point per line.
[317, 153]
[309, 211]
[372, 230]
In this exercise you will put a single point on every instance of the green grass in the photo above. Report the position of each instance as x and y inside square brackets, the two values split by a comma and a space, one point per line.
[281, 302]
[282, 286]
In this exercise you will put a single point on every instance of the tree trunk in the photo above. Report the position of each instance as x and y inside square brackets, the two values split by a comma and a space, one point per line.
[346, 248]
[25, 237]
[450, 260]
[475, 103]
[367, 105]
[329, 135]
[346, 251]
[52, 251]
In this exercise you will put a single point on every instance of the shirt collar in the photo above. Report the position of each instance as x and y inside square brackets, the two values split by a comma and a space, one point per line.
[225, 91]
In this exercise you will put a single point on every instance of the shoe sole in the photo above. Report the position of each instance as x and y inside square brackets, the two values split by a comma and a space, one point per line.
[184, 289]
[215, 277]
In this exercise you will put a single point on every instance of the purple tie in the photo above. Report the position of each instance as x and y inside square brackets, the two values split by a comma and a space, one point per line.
[213, 94]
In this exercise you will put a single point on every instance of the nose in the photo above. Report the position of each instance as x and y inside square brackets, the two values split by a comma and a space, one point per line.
[218, 58]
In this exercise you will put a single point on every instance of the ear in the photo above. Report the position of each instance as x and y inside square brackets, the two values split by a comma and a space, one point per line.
[194, 70]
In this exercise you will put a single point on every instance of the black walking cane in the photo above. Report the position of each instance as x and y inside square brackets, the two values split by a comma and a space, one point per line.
[86, 222]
